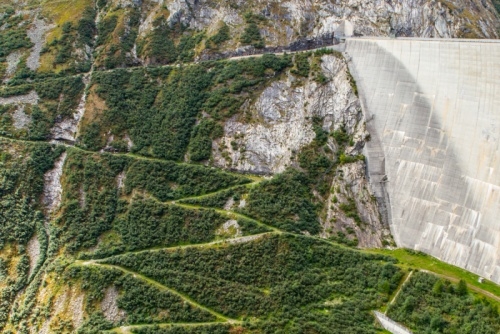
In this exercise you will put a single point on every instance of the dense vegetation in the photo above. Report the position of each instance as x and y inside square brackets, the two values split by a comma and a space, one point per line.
[290, 279]
[58, 99]
[428, 304]
[21, 186]
[167, 180]
[169, 43]
[219, 199]
[161, 118]
[285, 201]
[14, 35]
[94, 202]
[496, 3]
[142, 302]
[212, 329]
[22, 168]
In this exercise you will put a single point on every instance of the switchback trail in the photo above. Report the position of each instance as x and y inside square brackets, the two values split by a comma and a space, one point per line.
[160, 286]
[249, 176]
[221, 242]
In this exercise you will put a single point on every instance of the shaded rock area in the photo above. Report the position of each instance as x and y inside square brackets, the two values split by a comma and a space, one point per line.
[350, 187]
[302, 44]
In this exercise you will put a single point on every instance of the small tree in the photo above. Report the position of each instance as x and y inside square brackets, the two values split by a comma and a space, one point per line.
[462, 288]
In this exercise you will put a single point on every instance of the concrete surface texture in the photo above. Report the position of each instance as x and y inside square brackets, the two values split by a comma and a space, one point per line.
[433, 111]
[391, 325]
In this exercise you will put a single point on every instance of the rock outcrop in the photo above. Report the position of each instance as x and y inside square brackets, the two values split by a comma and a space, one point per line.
[281, 125]
[52, 190]
[351, 185]
[290, 19]
[281, 121]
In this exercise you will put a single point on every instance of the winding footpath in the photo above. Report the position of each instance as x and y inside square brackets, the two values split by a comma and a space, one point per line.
[160, 286]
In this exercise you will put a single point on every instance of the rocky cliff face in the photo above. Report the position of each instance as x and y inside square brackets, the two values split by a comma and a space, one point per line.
[268, 136]
[288, 20]
[280, 121]
[280, 23]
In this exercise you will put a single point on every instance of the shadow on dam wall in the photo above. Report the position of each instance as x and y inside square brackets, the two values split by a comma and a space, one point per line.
[433, 160]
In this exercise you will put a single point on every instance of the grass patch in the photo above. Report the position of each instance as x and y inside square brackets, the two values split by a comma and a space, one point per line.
[413, 259]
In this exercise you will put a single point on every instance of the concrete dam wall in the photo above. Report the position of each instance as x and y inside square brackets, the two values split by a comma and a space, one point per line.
[433, 112]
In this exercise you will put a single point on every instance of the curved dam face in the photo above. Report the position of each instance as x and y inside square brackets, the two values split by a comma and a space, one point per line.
[433, 112]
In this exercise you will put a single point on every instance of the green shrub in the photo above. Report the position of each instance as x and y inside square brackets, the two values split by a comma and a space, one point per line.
[351, 210]
[251, 35]
[277, 278]
[302, 66]
[285, 202]
[428, 303]
[220, 37]
[168, 180]
[14, 37]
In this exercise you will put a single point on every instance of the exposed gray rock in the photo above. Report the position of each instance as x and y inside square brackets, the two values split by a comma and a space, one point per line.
[33, 250]
[229, 204]
[36, 34]
[120, 180]
[283, 121]
[109, 305]
[75, 307]
[287, 19]
[21, 120]
[30, 98]
[351, 183]
[12, 62]
[52, 190]
[230, 227]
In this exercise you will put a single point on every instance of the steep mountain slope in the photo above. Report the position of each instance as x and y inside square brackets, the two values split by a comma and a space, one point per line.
[147, 189]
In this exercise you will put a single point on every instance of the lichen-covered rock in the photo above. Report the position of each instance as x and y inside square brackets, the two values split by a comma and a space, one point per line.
[109, 305]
